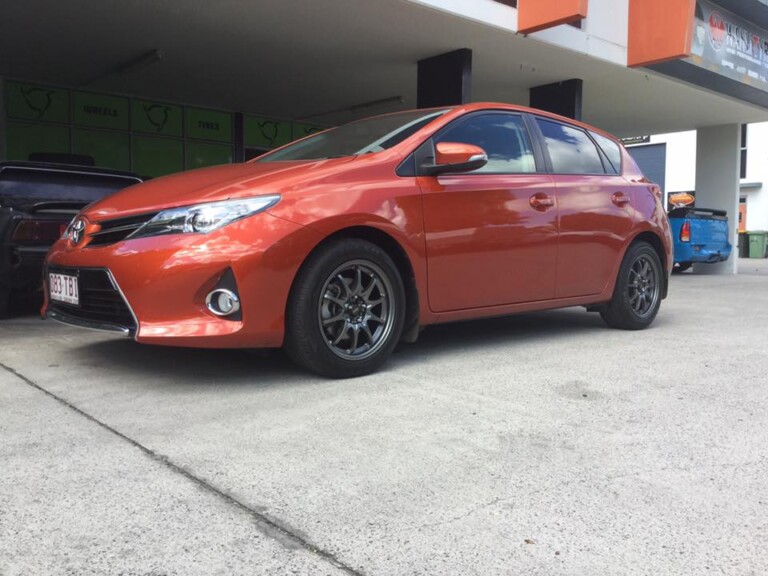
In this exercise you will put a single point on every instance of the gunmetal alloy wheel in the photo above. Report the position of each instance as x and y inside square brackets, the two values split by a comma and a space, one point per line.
[355, 310]
[643, 287]
[639, 286]
[346, 309]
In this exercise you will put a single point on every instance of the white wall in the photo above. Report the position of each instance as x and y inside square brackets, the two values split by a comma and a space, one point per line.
[604, 33]
[757, 171]
[681, 160]
[485, 11]
[681, 169]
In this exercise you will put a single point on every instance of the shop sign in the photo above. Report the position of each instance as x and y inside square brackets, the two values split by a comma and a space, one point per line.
[39, 103]
[100, 111]
[209, 124]
[729, 45]
[302, 130]
[157, 118]
[635, 140]
[265, 132]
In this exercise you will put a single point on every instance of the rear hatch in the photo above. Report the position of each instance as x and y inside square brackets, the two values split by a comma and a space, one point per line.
[37, 200]
[706, 228]
[29, 187]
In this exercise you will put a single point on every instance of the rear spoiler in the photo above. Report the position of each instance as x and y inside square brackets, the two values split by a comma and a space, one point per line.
[54, 207]
[692, 212]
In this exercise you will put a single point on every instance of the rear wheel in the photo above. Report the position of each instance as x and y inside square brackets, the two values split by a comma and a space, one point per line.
[681, 267]
[346, 310]
[637, 295]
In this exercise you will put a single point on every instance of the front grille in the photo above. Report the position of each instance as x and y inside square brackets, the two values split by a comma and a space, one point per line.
[101, 304]
[112, 231]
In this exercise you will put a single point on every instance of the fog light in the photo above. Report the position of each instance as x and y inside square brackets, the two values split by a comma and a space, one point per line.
[222, 302]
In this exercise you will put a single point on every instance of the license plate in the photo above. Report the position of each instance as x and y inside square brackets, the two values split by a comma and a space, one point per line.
[63, 288]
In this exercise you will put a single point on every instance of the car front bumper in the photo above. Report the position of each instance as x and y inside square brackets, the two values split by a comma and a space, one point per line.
[164, 281]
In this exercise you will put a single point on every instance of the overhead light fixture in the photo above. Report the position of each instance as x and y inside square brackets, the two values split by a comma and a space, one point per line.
[140, 62]
[130, 66]
[358, 107]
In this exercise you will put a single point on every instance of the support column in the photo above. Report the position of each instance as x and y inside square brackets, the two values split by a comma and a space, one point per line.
[562, 98]
[717, 184]
[445, 80]
[3, 123]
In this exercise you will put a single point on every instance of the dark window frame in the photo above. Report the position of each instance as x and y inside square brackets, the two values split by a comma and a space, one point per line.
[743, 152]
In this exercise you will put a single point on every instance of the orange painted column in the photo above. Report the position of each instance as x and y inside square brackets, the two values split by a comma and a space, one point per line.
[659, 30]
[534, 15]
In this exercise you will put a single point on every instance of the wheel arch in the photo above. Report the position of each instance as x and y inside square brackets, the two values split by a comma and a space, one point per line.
[399, 256]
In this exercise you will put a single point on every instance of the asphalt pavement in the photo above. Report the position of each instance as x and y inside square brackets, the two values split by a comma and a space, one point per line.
[540, 444]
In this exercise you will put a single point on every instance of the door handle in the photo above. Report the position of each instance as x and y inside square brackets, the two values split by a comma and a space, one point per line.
[541, 201]
[619, 198]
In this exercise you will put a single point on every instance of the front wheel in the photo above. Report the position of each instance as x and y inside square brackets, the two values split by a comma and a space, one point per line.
[346, 310]
[637, 295]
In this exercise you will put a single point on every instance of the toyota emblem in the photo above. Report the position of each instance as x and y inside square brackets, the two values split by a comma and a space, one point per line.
[77, 231]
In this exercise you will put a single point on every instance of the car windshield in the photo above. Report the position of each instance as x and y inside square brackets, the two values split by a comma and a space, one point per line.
[360, 137]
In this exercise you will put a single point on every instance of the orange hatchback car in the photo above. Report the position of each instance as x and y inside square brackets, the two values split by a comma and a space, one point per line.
[341, 245]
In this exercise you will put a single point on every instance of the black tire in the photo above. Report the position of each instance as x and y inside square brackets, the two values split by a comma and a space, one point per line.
[346, 310]
[681, 267]
[637, 295]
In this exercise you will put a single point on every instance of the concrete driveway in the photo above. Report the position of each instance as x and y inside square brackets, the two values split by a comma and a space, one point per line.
[538, 444]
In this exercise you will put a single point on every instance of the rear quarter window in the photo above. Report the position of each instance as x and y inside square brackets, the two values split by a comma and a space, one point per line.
[611, 150]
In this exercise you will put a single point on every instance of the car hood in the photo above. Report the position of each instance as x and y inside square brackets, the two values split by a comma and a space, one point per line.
[212, 184]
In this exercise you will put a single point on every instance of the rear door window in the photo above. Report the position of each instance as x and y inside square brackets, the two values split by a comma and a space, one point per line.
[570, 149]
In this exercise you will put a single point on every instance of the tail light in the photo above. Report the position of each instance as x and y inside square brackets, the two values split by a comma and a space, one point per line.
[38, 231]
[685, 232]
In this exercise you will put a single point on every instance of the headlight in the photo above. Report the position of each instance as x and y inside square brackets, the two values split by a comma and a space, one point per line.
[204, 218]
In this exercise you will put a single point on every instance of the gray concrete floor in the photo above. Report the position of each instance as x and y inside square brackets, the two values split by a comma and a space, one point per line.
[538, 444]
[753, 266]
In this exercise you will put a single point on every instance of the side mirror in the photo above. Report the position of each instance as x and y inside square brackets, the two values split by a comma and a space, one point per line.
[455, 157]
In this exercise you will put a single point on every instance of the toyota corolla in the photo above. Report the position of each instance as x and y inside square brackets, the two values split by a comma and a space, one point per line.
[341, 245]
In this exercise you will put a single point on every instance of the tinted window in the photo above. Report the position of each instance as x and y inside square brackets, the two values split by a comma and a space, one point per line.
[571, 150]
[360, 137]
[612, 152]
[502, 136]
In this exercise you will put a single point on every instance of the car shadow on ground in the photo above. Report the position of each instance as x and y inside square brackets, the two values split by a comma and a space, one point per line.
[272, 367]
[190, 366]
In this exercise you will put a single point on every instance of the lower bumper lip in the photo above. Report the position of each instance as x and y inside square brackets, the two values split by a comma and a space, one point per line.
[64, 318]
[71, 317]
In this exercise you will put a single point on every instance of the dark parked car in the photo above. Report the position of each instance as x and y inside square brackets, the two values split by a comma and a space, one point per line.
[37, 201]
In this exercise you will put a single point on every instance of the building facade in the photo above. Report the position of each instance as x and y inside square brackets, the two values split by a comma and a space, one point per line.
[161, 87]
